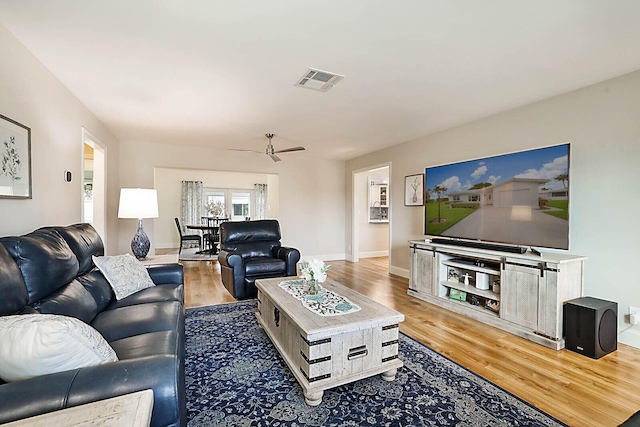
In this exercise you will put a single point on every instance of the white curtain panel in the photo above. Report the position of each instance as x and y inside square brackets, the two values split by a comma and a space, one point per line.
[260, 196]
[192, 204]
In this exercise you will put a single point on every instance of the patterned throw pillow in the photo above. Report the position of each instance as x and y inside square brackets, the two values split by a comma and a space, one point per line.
[38, 344]
[125, 274]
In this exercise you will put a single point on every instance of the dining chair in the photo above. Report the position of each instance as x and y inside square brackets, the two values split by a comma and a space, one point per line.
[207, 235]
[214, 236]
[187, 237]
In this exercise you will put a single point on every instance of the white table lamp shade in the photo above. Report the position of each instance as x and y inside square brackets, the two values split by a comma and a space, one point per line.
[138, 203]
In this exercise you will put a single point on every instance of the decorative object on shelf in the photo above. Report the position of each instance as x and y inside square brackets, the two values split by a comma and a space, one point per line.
[476, 300]
[139, 203]
[452, 275]
[457, 294]
[15, 160]
[482, 281]
[496, 285]
[493, 305]
[414, 190]
[466, 277]
[313, 272]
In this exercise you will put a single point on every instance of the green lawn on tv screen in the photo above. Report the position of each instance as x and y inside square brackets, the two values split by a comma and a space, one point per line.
[563, 205]
[451, 216]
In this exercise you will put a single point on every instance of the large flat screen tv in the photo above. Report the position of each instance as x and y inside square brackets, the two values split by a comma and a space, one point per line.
[519, 199]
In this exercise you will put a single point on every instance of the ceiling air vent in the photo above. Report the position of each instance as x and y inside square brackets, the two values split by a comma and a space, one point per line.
[319, 80]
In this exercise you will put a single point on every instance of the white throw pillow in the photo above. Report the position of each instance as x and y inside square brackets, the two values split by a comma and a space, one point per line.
[38, 344]
[125, 274]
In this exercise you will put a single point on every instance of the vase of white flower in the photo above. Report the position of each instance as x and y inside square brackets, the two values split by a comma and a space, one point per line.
[313, 287]
[215, 208]
[313, 272]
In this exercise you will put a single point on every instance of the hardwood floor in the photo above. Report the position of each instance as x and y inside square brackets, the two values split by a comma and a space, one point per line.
[575, 389]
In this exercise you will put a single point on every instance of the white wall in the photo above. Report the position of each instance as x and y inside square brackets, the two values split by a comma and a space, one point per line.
[32, 96]
[311, 190]
[168, 182]
[602, 122]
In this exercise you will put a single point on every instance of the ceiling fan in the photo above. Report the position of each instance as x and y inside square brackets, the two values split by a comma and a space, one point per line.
[270, 151]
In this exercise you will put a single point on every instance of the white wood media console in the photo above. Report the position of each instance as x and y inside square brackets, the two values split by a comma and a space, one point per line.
[526, 292]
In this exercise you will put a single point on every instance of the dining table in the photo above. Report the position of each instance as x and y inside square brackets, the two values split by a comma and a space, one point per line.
[213, 220]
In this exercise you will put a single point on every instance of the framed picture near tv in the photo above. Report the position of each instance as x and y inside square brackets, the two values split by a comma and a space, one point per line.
[414, 190]
[519, 198]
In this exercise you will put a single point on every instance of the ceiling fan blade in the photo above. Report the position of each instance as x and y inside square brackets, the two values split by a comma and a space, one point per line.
[286, 150]
[250, 151]
[269, 151]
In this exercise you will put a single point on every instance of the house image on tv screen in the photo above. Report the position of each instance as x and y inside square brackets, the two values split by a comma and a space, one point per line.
[513, 192]
[554, 194]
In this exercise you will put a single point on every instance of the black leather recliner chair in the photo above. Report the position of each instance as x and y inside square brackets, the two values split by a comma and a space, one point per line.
[251, 250]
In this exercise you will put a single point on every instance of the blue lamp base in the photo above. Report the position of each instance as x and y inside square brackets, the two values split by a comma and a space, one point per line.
[140, 244]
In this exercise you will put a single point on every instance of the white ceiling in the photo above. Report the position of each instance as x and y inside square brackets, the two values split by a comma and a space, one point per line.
[222, 73]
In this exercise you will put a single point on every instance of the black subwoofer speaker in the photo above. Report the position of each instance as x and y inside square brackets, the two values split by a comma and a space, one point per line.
[591, 326]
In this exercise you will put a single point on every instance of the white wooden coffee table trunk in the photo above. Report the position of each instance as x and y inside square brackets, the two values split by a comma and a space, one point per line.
[323, 352]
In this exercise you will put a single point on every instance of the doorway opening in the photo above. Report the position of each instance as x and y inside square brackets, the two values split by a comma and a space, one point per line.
[371, 216]
[94, 184]
[227, 187]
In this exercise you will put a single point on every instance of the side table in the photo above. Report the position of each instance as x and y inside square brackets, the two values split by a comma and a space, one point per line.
[160, 259]
[129, 410]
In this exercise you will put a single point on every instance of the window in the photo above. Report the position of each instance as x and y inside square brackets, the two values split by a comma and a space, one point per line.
[241, 204]
[225, 203]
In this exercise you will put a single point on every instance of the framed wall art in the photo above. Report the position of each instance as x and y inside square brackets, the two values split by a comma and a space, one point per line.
[15, 159]
[414, 190]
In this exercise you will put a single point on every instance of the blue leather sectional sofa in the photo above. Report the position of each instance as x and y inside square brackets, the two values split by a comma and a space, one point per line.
[51, 271]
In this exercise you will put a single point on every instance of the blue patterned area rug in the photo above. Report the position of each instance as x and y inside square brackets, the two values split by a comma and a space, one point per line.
[235, 377]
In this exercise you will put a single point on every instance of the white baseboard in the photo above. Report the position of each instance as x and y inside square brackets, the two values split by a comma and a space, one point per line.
[629, 336]
[374, 254]
[402, 272]
[328, 257]
[167, 245]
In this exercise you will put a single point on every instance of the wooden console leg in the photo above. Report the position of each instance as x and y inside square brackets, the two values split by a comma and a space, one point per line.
[313, 398]
[390, 375]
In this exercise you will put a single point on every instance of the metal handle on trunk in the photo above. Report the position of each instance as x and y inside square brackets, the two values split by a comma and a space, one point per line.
[357, 352]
